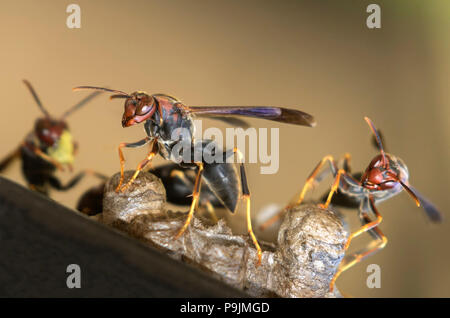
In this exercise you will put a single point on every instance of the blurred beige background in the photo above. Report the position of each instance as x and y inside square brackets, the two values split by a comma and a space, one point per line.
[317, 56]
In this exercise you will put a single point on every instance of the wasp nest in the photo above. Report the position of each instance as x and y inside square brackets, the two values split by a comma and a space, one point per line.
[310, 242]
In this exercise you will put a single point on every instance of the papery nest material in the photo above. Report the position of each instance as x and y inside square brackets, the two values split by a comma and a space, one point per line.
[310, 242]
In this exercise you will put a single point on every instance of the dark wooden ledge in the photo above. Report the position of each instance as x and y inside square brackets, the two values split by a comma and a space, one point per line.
[39, 238]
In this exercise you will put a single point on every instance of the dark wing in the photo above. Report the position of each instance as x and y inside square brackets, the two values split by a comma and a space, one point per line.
[232, 121]
[279, 114]
[433, 213]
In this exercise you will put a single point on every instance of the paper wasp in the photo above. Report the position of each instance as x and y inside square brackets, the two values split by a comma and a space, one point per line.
[48, 147]
[165, 117]
[385, 177]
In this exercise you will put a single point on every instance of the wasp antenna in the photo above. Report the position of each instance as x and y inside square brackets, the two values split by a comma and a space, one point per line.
[410, 192]
[377, 136]
[80, 104]
[100, 89]
[119, 96]
[36, 98]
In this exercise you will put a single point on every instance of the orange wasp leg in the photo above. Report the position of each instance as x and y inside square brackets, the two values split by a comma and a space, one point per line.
[246, 196]
[309, 183]
[375, 246]
[122, 158]
[195, 198]
[334, 188]
[142, 165]
[38, 152]
[209, 207]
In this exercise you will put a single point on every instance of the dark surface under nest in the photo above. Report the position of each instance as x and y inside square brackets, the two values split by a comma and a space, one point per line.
[40, 238]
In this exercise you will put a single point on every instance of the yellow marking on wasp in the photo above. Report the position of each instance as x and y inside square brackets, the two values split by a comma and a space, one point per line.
[63, 151]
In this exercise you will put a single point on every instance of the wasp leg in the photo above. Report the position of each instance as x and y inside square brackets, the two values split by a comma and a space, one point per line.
[246, 196]
[343, 162]
[209, 207]
[56, 183]
[137, 144]
[180, 175]
[311, 179]
[380, 242]
[345, 170]
[38, 152]
[9, 158]
[334, 188]
[96, 174]
[346, 165]
[309, 183]
[274, 218]
[43, 189]
[142, 164]
[195, 198]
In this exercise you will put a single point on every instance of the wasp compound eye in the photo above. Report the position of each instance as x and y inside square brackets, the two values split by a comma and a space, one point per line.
[144, 109]
[389, 184]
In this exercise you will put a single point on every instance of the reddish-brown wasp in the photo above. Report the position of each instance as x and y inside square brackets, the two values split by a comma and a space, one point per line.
[385, 177]
[47, 148]
[164, 116]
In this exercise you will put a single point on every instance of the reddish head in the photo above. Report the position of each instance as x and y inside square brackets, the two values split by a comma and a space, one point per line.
[49, 130]
[380, 174]
[139, 106]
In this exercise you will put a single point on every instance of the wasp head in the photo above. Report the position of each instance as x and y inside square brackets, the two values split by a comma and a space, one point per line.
[379, 175]
[49, 130]
[55, 138]
[139, 106]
